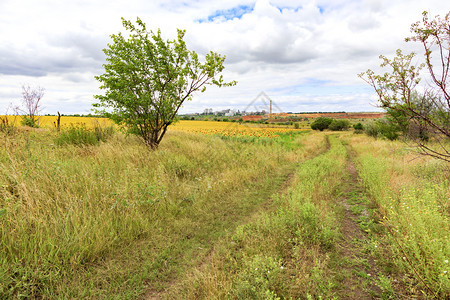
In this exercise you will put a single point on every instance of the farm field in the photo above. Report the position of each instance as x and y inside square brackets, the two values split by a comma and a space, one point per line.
[280, 117]
[344, 115]
[232, 129]
[49, 122]
[205, 127]
[221, 211]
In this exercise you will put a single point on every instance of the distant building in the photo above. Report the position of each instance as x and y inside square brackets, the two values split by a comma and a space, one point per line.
[230, 113]
[208, 111]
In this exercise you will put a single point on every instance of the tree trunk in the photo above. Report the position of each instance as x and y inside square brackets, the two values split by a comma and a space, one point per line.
[153, 145]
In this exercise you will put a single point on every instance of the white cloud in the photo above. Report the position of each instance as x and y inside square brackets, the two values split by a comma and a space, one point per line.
[305, 54]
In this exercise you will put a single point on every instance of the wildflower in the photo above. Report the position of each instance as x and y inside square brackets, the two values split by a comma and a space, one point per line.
[446, 261]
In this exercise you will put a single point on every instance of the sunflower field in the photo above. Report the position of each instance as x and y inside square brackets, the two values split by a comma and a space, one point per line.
[230, 129]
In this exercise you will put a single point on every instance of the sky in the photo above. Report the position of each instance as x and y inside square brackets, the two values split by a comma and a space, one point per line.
[305, 54]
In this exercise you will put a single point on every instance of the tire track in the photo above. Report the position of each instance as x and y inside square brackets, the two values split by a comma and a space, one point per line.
[361, 269]
[264, 207]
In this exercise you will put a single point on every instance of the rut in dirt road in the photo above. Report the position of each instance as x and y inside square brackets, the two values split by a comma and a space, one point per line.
[361, 272]
[263, 207]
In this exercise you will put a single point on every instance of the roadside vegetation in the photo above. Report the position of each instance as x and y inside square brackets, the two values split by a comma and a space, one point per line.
[220, 216]
[323, 123]
[121, 218]
[284, 251]
[411, 197]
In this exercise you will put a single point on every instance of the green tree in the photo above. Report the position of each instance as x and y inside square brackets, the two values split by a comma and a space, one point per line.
[321, 123]
[358, 126]
[382, 128]
[428, 113]
[339, 125]
[147, 79]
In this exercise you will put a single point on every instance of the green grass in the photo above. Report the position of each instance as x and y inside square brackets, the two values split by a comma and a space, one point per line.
[207, 217]
[115, 220]
[80, 136]
[284, 251]
[415, 214]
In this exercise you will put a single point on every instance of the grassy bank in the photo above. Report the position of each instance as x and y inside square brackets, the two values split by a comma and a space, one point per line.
[216, 216]
[115, 220]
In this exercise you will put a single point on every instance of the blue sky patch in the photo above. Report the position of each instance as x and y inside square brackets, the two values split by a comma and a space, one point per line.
[229, 14]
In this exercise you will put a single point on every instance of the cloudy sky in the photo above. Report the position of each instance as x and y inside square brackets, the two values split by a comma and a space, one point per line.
[304, 54]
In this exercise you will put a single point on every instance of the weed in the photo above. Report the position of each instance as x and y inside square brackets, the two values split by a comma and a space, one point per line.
[386, 287]
[261, 279]
[81, 136]
[7, 126]
[30, 122]
[115, 221]
[195, 220]
[357, 209]
[313, 229]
